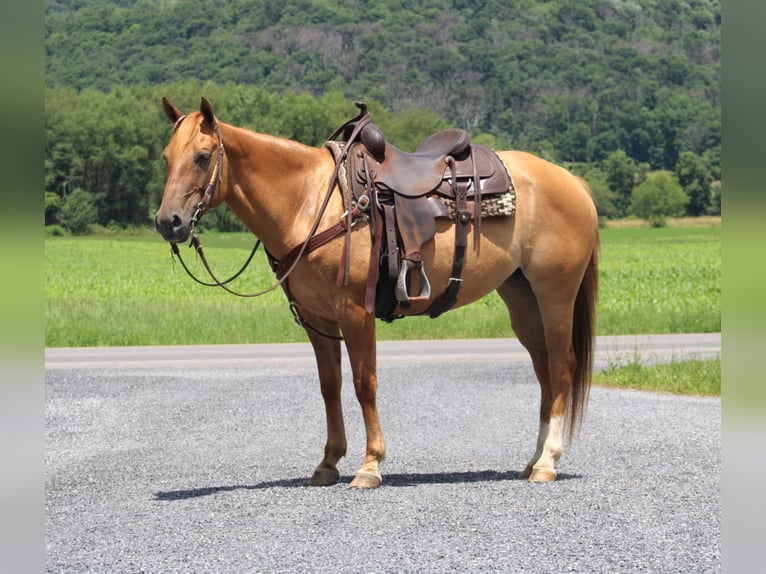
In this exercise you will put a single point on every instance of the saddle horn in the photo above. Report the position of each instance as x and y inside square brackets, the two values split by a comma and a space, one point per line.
[373, 140]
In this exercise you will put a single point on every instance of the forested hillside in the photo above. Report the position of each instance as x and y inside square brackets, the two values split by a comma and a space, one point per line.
[576, 81]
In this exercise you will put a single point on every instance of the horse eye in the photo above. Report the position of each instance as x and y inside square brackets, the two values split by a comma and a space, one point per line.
[202, 159]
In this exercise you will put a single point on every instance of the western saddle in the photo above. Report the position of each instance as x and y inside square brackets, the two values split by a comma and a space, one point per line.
[402, 194]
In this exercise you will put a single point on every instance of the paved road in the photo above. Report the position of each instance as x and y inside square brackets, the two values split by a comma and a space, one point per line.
[627, 347]
[195, 460]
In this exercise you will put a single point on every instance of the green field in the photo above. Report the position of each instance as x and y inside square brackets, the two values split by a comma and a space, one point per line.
[126, 290]
[692, 377]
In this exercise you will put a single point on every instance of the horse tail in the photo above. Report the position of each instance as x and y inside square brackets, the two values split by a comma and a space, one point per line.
[583, 341]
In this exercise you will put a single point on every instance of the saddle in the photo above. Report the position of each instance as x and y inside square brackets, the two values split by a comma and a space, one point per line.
[402, 194]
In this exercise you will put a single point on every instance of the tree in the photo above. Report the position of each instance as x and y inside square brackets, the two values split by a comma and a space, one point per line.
[657, 198]
[715, 202]
[53, 203]
[603, 196]
[622, 175]
[79, 212]
[694, 175]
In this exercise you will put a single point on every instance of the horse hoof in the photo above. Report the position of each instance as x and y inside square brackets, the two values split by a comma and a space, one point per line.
[366, 480]
[324, 477]
[542, 475]
[527, 472]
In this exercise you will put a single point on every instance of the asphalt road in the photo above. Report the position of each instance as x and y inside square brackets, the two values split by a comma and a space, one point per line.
[195, 459]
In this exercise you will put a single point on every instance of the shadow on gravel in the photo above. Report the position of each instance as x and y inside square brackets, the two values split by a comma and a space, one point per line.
[389, 480]
[208, 490]
[459, 477]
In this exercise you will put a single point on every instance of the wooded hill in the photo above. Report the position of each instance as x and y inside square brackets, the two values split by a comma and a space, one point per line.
[574, 81]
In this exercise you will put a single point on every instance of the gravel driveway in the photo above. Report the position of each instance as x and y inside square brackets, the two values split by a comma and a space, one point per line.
[203, 469]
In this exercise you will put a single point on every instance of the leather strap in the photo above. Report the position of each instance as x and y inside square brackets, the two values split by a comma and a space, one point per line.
[449, 298]
[393, 250]
[373, 271]
[476, 201]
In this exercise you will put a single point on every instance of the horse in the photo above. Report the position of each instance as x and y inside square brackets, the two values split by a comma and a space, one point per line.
[542, 261]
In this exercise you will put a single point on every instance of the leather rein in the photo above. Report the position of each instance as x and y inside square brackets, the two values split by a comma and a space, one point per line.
[285, 267]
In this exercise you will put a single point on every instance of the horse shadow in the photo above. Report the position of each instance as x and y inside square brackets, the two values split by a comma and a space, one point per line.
[395, 480]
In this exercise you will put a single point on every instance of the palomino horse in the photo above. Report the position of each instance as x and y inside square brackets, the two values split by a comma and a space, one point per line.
[542, 261]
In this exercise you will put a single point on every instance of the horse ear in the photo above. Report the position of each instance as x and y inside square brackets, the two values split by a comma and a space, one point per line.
[207, 111]
[172, 112]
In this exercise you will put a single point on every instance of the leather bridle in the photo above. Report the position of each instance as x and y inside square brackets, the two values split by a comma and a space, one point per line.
[283, 268]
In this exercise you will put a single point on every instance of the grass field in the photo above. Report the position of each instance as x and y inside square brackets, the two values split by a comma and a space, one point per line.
[692, 377]
[126, 290]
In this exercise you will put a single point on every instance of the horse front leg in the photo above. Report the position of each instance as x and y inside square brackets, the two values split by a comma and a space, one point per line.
[328, 358]
[359, 335]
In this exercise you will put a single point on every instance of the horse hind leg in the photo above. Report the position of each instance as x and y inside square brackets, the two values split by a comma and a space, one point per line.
[527, 323]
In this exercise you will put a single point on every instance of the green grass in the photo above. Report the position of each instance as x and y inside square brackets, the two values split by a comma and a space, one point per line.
[103, 291]
[693, 377]
[665, 280]
[126, 290]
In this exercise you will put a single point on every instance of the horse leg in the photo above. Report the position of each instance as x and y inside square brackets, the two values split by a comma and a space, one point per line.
[557, 312]
[328, 357]
[359, 334]
[527, 323]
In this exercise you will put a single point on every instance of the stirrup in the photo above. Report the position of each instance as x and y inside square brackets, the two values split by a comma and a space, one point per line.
[401, 283]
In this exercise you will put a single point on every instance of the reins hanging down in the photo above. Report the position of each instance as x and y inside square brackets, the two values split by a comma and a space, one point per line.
[198, 247]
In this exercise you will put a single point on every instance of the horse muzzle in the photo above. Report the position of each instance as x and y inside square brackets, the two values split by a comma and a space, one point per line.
[172, 227]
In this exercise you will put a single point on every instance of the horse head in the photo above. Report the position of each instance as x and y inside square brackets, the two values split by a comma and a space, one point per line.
[194, 160]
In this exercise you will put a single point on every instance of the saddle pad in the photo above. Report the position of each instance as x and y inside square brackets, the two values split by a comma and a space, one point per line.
[498, 205]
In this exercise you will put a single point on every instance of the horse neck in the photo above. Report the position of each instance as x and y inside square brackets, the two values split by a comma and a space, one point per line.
[275, 186]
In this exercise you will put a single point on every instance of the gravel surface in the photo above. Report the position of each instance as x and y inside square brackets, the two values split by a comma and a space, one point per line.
[205, 470]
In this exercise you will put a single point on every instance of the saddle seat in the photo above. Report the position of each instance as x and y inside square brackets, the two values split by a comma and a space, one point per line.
[414, 174]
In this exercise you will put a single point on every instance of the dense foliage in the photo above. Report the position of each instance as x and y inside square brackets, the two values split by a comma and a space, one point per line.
[574, 81]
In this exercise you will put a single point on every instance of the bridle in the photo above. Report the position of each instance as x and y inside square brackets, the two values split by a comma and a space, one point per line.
[283, 268]
[213, 184]
[212, 187]
[215, 179]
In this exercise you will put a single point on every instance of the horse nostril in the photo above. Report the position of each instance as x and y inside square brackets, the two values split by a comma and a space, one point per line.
[169, 225]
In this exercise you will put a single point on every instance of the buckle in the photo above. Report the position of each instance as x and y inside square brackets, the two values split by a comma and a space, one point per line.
[363, 203]
[354, 220]
[296, 315]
